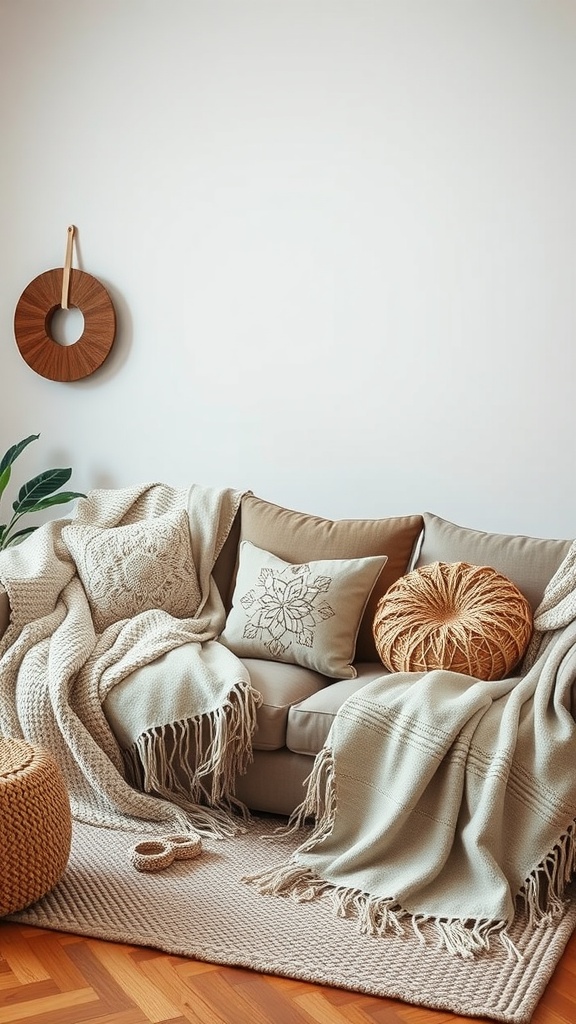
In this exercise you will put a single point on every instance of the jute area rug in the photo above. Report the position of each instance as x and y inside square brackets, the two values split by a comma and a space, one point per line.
[201, 908]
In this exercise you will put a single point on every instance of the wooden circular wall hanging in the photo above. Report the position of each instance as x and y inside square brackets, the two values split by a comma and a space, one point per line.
[63, 288]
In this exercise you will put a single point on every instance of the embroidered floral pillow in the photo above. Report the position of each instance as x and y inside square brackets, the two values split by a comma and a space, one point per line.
[306, 614]
[130, 569]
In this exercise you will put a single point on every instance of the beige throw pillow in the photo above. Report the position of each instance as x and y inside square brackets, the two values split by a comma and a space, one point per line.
[130, 569]
[305, 614]
[298, 537]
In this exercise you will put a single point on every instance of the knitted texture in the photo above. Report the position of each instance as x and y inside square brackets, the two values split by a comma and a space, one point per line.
[443, 803]
[557, 609]
[201, 909]
[35, 824]
[56, 670]
[130, 569]
[157, 854]
[466, 618]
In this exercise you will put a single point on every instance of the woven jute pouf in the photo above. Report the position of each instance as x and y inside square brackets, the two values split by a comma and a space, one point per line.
[453, 615]
[35, 824]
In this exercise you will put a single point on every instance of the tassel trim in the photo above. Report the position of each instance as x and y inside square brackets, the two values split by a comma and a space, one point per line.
[319, 802]
[194, 763]
[543, 892]
[379, 916]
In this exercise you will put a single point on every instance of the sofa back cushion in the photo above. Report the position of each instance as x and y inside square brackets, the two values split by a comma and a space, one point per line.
[225, 565]
[299, 537]
[530, 562]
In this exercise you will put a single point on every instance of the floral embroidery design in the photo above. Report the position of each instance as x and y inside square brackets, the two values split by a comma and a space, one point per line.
[286, 606]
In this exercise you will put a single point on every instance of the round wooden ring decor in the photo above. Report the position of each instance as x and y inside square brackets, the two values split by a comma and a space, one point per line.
[33, 316]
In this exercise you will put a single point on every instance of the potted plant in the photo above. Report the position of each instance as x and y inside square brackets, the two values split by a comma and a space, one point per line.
[34, 496]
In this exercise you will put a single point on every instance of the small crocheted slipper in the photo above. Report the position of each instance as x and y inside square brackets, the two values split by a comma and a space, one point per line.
[185, 847]
[157, 854]
[152, 855]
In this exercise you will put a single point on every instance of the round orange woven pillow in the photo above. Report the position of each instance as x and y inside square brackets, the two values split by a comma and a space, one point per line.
[452, 615]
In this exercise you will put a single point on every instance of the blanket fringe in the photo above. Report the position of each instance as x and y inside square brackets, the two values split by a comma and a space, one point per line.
[378, 916]
[543, 892]
[195, 763]
[319, 803]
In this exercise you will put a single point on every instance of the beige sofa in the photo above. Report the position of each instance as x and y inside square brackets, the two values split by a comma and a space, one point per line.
[298, 703]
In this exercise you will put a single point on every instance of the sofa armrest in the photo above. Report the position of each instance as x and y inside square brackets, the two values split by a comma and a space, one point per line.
[4, 611]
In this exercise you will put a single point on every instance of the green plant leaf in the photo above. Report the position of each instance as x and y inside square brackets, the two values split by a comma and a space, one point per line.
[18, 536]
[55, 499]
[4, 478]
[34, 496]
[12, 454]
[39, 488]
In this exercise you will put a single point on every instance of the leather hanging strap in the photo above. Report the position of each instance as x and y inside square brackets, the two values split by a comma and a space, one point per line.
[67, 268]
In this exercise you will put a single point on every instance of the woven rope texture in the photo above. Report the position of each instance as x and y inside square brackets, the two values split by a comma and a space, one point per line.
[466, 618]
[35, 824]
[156, 854]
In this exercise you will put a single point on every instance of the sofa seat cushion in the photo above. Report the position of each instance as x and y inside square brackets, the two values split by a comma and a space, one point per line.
[530, 562]
[309, 721]
[281, 686]
[297, 537]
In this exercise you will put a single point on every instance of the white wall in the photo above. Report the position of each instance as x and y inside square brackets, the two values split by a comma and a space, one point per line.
[340, 236]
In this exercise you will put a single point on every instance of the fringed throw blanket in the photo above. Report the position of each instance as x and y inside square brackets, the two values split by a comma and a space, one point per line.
[439, 799]
[125, 582]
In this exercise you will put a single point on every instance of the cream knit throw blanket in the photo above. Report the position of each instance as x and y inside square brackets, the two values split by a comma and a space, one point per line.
[440, 799]
[56, 670]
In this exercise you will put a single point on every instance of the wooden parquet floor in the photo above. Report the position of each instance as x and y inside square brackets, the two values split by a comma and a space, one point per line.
[50, 977]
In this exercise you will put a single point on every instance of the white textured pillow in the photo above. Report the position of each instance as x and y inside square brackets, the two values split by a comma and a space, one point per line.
[306, 614]
[130, 569]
